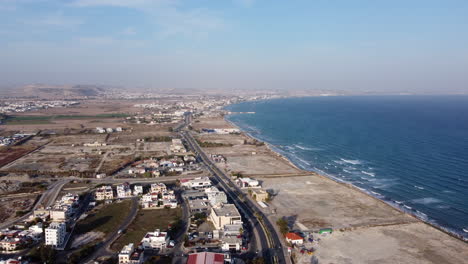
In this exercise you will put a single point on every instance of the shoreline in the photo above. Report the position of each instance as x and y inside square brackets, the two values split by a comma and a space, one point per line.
[349, 185]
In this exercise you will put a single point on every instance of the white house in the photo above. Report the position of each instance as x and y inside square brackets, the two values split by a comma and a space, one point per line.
[200, 182]
[124, 191]
[137, 190]
[247, 183]
[155, 240]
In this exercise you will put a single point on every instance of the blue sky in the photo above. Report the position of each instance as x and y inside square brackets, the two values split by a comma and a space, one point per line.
[376, 45]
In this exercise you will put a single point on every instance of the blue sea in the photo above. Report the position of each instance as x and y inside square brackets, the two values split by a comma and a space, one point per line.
[410, 151]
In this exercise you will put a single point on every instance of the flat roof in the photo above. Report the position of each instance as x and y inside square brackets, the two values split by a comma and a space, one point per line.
[226, 210]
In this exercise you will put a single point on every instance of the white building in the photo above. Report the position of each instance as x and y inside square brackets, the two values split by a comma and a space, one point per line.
[158, 187]
[215, 196]
[104, 193]
[225, 214]
[247, 183]
[155, 240]
[55, 234]
[124, 191]
[137, 190]
[177, 146]
[200, 182]
[126, 253]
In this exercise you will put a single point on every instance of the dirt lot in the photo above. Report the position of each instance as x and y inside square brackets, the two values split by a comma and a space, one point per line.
[410, 243]
[10, 206]
[211, 122]
[255, 161]
[9, 154]
[372, 232]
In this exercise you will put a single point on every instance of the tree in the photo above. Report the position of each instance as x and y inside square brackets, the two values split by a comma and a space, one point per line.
[47, 254]
[283, 225]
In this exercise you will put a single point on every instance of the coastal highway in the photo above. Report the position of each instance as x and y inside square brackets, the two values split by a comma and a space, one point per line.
[273, 251]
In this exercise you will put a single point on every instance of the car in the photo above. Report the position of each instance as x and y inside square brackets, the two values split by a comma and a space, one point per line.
[120, 231]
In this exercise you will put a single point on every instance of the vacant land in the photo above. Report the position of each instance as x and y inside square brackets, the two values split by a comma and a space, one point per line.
[366, 229]
[47, 119]
[9, 154]
[411, 243]
[13, 206]
[147, 221]
[243, 154]
[105, 219]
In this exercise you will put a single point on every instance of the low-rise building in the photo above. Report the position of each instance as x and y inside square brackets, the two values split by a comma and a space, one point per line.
[294, 238]
[124, 191]
[130, 255]
[247, 183]
[104, 193]
[260, 195]
[55, 234]
[200, 182]
[10, 244]
[205, 258]
[58, 215]
[225, 214]
[215, 196]
[155, 240]
[158, 187]
[137, 190]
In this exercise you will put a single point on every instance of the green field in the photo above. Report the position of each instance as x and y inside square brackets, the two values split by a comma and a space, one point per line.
[147, 221]
[26, 120]
[105, 219]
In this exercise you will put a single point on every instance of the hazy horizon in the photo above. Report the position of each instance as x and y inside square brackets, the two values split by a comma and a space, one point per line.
[376, 46]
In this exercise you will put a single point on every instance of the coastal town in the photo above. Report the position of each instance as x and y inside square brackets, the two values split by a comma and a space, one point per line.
[129, 178]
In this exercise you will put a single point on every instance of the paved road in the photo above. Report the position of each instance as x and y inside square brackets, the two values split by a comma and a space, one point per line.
[103, 248]
[49, 195]
[272, 249]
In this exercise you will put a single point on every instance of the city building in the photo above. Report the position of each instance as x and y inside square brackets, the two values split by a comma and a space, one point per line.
[130, 255]
[225, 214]
[200, 182]
[104, 193]
[205, 258]
[124, 191]
[137, 190]
[10, 244]
[155, 240]
[177, 146]
[215, 196]
[55, 234]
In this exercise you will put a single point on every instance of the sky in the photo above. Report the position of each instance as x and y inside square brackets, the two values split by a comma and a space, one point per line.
[359, 45]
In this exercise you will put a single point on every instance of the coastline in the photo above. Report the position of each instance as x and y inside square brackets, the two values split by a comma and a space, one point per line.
[348, 185]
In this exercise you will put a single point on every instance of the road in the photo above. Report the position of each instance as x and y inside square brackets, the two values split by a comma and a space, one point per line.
[48, 196]
[271, 243]
[102, 249]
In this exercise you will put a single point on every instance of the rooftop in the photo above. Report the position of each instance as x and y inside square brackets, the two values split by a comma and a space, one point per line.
[226, 210]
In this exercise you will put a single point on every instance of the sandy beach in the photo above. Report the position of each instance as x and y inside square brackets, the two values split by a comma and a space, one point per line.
[367, 230]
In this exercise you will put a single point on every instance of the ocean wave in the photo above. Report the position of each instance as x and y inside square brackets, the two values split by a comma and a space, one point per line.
[305, 148]
[354, 162]
[368, 173]
[427, 200]
[418, 187]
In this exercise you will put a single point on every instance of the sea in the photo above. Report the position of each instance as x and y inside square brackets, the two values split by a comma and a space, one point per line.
[409, 151]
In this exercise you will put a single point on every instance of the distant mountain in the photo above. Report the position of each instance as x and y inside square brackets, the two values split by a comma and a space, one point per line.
[44, 91]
